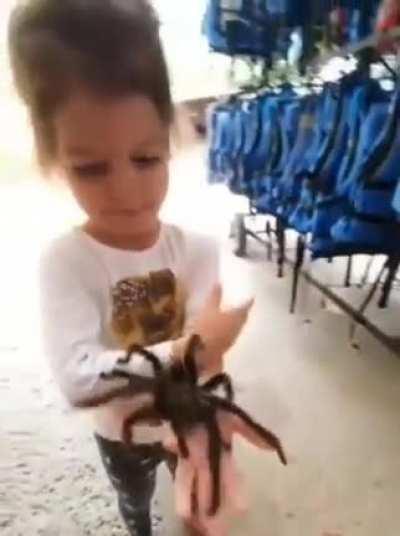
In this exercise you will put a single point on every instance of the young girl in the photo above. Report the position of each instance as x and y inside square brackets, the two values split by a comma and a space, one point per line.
[94, 78]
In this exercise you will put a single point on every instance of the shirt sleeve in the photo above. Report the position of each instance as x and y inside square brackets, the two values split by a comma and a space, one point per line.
[203, 275]
[73, 325]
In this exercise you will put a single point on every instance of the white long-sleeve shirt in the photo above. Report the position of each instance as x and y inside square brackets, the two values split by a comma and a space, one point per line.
[97, 300]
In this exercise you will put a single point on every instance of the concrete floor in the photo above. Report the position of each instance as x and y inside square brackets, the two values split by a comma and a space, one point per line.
[335, 408]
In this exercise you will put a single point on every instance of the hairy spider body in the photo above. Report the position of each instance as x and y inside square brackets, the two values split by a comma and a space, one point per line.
[185, 405]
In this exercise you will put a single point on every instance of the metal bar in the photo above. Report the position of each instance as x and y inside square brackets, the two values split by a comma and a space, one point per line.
[388, 68]
[349, 271]
[269, 233]
[393, 266]
[368, 268]
[281, 236]
[393, 344]
[256, 237]
[368, 300]
[301, 246]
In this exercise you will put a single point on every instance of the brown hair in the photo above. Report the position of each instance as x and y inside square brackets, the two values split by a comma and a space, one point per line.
[110, 46]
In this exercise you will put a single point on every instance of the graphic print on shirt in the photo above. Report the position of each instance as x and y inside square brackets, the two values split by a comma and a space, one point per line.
[148, 310]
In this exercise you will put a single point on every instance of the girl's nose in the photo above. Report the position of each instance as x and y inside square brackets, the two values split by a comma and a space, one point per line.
[125, 186]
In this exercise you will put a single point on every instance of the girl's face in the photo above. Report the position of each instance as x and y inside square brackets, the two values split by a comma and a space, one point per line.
[114, 153]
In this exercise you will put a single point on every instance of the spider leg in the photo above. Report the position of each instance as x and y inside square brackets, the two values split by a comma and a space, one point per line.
[144, 414]
[226, 446]
[190, 358]
[225, 381]
[214, 458]
[115, 374]
[182, 445]
[152, 358]
[194, 498]
[262, 432]
[125, 360]
[119, 392]
[184, 450]
[220, 380]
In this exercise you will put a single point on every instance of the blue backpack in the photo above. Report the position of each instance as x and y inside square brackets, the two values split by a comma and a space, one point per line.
[396, 199]
[317, 181]
[239, 27]
[212, 130]
[326, 130]
[262, 145]
[291, 12]
[367, 115]
[295, 13]
[328, 118]
[370, 224]
[237, 138]
[287, 110]
[286, 189]
[222, 122]
[259, 144]
[362, 15]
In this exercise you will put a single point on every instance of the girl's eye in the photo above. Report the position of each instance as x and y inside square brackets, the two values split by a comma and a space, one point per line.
[145, 162]
[93, 170]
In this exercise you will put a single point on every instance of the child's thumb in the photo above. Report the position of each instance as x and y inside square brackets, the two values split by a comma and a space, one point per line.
[246, 307]
[215, 298]
[170, 441]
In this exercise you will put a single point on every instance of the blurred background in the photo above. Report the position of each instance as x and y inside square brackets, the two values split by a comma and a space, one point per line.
[266, 91]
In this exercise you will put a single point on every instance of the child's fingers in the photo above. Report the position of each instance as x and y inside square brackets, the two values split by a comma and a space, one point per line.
[235, 499]
[217, 525]
[215, 298]
[239, 426]
[204, 490]
[214, 526]
[245, 308]
[230, 424]
[184, 480]
[240, 313]
[235, 319]
[170, 441]
[246, 431]
[197, 443]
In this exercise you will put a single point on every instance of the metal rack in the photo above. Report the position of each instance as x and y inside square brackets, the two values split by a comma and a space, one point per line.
[365, 50]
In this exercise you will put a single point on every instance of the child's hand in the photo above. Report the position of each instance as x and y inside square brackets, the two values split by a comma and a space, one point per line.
[219, 330]
[193, 474]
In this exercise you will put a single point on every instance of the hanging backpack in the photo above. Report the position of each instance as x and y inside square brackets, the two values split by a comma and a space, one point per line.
[322, 143]
[368, 108]
[361, 17]
[261, 147]
[222, 143]
[371, 225]
[239, 27]
[295, 13]
[287, 187]
[287, 110]
[396, 199]
[213, 137]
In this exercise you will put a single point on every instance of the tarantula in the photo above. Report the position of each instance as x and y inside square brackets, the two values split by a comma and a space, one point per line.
[184, 404]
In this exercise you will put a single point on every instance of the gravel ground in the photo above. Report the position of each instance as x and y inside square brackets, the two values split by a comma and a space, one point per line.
[52, 482]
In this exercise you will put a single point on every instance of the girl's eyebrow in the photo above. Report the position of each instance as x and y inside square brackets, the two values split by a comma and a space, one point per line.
[153, 142]
[87, 152]
[80, 151]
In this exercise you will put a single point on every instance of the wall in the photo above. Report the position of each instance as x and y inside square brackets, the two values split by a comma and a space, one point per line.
[194, 71]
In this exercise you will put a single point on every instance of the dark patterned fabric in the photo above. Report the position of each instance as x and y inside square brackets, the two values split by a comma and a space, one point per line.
[132, 473]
